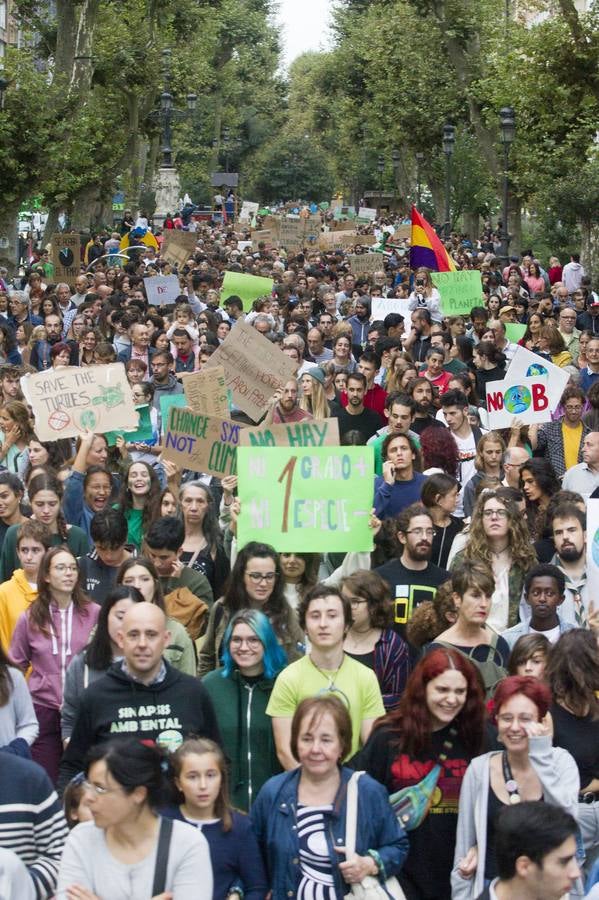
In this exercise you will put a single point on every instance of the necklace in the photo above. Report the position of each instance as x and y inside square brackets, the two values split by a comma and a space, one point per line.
[511, 785]
[330, 678]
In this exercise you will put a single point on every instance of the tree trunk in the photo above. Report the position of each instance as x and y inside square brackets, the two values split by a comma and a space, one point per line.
[76, 24]
[589, 248]
[9, 237]
[472, 225]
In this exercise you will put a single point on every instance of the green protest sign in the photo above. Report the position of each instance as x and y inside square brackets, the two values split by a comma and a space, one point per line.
[514, 331]
[142, 434]
[303, 500]
[248, 287]
[167, 402]
[459, 291]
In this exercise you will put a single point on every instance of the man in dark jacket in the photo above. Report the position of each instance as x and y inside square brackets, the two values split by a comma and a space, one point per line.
[163, 381]
[140, 695]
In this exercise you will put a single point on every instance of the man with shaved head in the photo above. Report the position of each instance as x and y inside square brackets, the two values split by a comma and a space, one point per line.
[141, 695]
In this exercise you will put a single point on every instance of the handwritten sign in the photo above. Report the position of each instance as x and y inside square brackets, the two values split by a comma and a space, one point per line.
[65, 253]
[514, 331]
[365, 263]
[367, 213]
[382, 306]
[167, 402]
[459, 291]
[143, 434]
[248, 210]
[247, 287]
[162, 289]
[301, 500]
[206, 391]
[292, 233]
[526, 364]
[331, 240]
[265, 236]
[178, 246]
[201, 443]
[254, 368]
[526, 399]
[323, 433]
[70, 400]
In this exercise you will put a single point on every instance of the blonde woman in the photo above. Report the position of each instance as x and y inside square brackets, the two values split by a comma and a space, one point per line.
[313, 398]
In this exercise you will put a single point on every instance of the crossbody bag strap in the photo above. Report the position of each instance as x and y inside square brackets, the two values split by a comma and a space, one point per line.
[351, 815]
[162, 852]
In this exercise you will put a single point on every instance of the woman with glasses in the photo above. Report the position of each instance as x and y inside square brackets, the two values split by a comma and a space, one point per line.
[252, 659]
[256, 582]
[370, 639]
[118, 854]
[46, 638]
[499, 537]
[528, 768]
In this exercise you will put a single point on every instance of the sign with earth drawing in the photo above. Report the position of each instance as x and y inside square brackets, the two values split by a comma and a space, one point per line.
[66, 256]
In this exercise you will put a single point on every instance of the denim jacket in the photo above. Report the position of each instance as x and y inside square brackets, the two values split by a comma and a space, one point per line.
[274, 820]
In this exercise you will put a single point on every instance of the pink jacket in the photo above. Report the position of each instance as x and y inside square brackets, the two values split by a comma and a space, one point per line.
[50, 652]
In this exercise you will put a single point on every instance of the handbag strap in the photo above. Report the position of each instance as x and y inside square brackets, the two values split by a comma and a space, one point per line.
[164, 844]
[351, 815]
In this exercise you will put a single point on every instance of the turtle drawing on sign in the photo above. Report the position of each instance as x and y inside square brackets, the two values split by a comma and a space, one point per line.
[110, 397]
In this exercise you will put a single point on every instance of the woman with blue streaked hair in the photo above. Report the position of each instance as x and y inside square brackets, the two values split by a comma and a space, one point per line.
[252, 658]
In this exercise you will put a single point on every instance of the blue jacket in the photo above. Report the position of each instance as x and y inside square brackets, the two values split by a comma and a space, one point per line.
[274, 821]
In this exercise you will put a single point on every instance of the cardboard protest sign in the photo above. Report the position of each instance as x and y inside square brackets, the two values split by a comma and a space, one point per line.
[514, 331]
[254, 368]
[264, 236]
[169, 401]
[365, 263]
[382, 306]
[321, 433]
[331, 240]
[162, 289]
[206, 392]
[70, 400]
[142, 433]
[248, 287]
[402, 232]
[526, 364]
[178, 246]
[248, 210]
[291, 234]
[301, 500]
[592, 542]
[201, 443]
[65, 253]
[313, 225]
[367, 212]
[526, 399]
[459, 291]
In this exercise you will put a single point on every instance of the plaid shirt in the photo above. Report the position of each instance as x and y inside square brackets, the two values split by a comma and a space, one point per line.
[550, 443]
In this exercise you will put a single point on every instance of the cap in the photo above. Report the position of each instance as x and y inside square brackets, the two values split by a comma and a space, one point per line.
[315, 373]
[505, 309]
[594, 301]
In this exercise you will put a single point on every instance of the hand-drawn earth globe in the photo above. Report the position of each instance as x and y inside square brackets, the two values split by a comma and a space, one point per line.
[517, 399]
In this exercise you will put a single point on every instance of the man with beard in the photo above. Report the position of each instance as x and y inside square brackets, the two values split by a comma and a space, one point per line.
[568, 526]
[421, 392]
[41, 350]
[412, 578]
[355, 416]
[584, 477]
[285, 407]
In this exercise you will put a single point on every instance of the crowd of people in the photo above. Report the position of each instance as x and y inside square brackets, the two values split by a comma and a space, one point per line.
[185, 717]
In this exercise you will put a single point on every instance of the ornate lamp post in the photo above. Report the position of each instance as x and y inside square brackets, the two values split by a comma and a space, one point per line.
[448, 148]
[507, 122]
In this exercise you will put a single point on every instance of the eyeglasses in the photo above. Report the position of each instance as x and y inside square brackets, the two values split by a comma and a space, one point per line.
[97, 789]
[257, 577]
[509, 465]
[356, 601]
[422, 532]
[61, 568]
[252, 642]
[495, 513]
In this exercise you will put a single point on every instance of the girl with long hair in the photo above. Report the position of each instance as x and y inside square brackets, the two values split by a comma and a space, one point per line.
[139, 500]
[530, 338]
[45, 495]
[201, 779]
[498, 537]
[9, 353]
[203, 547]
[256, 582]
[313, 398]
[370, 639]
[116, 854]
[538, 483]
[140, 573]
[102, 650]
[53, 454]
[252, 659]
[440, 496]
[46, 637]
[440, 720]
[439, 451]
[488, 465]
[15, 433]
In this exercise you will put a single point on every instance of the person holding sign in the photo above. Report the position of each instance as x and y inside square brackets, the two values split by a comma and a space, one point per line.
[425, 295]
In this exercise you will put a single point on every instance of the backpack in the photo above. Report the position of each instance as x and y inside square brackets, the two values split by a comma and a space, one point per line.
[492, 672]
[187, 609]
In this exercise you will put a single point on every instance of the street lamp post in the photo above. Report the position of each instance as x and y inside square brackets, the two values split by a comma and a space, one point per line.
[448, 148]
[507, 120]
[395, 162]
[381, 167]
[419, 160]
[167, 114]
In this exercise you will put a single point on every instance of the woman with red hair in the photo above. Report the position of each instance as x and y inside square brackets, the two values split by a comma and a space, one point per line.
[439, 452]
[440, 721]
[529, 768]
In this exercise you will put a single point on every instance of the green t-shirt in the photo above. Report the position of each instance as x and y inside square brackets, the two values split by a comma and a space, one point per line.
[355, 684]
[134, 527]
